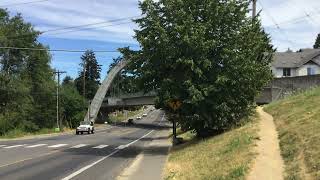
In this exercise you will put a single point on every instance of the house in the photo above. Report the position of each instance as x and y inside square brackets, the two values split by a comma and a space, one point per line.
[302, 63]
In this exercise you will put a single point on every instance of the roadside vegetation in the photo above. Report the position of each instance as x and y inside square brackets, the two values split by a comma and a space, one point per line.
[184, 58]
[28, 83]
[121, 116]
[298, 123]
[224, 156]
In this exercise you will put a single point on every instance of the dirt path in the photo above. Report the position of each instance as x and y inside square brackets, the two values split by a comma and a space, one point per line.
[269, 164]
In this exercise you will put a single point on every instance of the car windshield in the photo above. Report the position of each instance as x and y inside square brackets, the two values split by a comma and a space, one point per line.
[84, 123]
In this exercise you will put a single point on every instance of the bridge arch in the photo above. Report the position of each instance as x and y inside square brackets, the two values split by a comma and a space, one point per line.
[97, 101]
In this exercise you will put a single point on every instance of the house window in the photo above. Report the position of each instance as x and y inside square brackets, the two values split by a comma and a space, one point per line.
[311, 71]
[286, 72]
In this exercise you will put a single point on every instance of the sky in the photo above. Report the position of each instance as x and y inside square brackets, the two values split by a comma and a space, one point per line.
[291, 24]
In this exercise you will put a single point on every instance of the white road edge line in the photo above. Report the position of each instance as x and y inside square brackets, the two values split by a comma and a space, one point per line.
[127, 145]
[103, 158]
[3, 145]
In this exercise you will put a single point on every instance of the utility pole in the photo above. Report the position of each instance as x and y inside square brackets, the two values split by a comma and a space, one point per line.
[84, 79]
[58, 87]
[254, 8]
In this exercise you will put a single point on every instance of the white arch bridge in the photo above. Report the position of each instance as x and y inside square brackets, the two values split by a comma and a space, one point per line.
[101, 102]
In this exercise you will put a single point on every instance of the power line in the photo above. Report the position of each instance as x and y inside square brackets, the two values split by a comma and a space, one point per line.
[92, 28]
[277, 25]
[73, 27]
[57, 50]
[91, 24]
[23, 3]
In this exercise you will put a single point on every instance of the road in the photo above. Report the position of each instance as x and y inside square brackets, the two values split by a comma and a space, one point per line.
[102, 155]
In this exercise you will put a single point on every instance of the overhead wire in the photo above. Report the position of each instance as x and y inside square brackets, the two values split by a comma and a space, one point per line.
[57, 50]
[277, 25]
[74, 27]
[23, 3]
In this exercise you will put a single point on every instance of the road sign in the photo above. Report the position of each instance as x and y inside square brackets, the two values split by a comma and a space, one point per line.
[175, 104]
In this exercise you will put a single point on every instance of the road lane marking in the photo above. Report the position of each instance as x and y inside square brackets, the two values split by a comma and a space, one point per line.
[80, 146]
[57, 145]
[127, 145]
[19, 145]
[36, 145]
[103, 158]
[16, 162]
[101, 146]
[3, 145]
[88, 166]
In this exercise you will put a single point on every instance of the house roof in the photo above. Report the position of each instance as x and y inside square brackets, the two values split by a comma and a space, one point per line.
[296, 59]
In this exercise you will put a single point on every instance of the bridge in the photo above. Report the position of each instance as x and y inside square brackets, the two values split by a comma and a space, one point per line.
[128, 100]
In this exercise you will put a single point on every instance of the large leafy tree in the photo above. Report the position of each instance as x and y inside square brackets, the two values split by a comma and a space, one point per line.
[89, 76]
[207, 54]
[27, 84]
[317, 43]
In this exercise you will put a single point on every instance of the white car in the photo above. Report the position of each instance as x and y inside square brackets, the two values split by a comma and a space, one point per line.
[85, 126]
[144, 115]
[139, 117]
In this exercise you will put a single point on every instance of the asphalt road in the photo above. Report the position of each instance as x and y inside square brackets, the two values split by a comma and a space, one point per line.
[102, 155]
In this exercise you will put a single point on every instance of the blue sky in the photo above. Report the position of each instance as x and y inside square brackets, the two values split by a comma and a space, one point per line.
[53, 14]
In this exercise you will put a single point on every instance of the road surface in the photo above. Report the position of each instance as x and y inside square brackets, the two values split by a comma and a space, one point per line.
[103, 155]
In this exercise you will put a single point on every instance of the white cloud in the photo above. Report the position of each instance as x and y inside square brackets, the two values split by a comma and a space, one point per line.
[59, 13]
[300, 33]
[62, 13]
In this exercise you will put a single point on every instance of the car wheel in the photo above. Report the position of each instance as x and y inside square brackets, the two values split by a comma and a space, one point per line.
[92, 131]
[88, 131]
[77, 132]
[81, 132]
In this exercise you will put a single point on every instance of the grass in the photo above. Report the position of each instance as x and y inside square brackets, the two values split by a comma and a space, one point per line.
[298, 123]
[18, 133]
[226, 156]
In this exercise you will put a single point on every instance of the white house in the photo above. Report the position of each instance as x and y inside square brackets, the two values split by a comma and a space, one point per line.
[302, 63]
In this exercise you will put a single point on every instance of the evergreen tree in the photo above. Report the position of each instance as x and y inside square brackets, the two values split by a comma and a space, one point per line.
[89, 75]
[317, 43]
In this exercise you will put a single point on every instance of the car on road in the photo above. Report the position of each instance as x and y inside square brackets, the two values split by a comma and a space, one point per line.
[139, 118]
[85, 126]
[144, 115]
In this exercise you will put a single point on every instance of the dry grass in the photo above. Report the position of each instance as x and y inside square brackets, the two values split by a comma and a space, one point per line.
[298, 122]
[226, 156]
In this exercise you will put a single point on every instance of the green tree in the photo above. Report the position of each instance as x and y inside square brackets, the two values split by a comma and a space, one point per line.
[89, 75]
[27, 84]
[317, 43]
[72, 103]
[207, 54]
[125, 82]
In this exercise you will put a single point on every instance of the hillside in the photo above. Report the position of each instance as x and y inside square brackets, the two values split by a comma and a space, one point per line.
[298, 123]
[225, 156]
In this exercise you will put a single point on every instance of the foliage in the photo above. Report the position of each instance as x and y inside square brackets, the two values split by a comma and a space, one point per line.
[89, 75]
[73, 104]
[208, 54]
[125, 82]
[26, 79]
[317, 43]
